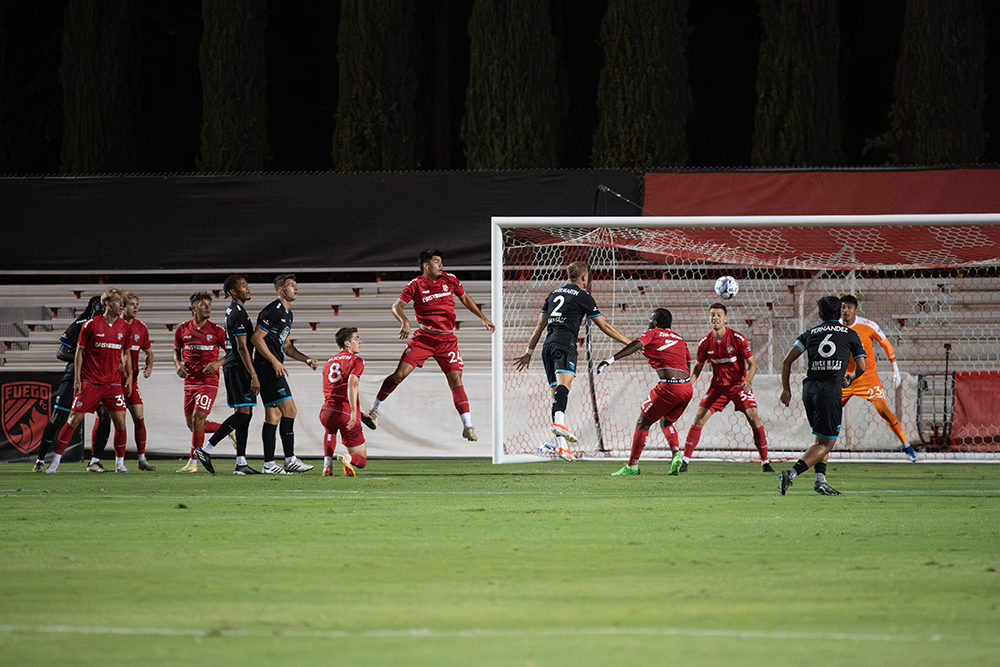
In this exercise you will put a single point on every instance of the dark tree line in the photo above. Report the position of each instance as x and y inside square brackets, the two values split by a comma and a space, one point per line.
[518, 110]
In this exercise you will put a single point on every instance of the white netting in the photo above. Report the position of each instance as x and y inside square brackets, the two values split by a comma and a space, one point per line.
[935, 315]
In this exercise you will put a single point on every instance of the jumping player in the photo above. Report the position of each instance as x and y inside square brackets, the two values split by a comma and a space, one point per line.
[830, 346]
[562, 313]
[197, 344]
[433, 295]
[97, 376]
[242, 385]
[868, 386]
[668, 354]
[733, 368]
[341, 411]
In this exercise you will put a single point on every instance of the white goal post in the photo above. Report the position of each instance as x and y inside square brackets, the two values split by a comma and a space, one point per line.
[932, 282]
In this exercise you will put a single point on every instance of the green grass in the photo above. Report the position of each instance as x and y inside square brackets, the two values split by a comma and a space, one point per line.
[465, 563]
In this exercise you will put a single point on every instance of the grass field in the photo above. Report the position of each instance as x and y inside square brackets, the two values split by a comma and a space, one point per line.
[466, 563]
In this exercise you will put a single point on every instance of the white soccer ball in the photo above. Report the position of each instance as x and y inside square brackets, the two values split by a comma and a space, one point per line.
[727, 287]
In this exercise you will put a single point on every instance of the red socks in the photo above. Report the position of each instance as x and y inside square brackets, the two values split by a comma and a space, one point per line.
[388, 386]
[121, 437]
[140, 436]
[211, 427]
[358, 461]
[638, 444]
[670, 433]
[694, 435]
[760, 442]
[197, 440]
[460, 399]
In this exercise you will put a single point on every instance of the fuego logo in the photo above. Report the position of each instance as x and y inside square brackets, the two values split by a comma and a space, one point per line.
[24, 410]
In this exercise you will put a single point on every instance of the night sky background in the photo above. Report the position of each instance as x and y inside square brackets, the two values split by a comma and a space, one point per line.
[302, 75]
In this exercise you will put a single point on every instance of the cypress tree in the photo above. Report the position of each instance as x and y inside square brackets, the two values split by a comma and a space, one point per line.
[376, 110]
[937, 115]
[99, 79]
[512, 103]
[643, 99]
[797, 121]
[234, 86]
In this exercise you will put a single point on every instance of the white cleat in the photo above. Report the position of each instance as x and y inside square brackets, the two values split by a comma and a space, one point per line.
[561, 430]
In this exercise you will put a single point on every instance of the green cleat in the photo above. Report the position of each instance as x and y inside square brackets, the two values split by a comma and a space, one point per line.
[675, 464]
[627, 470]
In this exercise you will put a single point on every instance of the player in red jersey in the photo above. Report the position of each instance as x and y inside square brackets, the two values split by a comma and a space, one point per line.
[433, 295]
[341, 411]
[100, 353]
[668, 354]
[733, 368]
[197, 344]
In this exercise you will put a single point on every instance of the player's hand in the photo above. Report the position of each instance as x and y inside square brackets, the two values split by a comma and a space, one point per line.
[182, 371]
[279, 369]
[128, 387]
[147, 371]
[786, 396]
[489, 325]
[354, 420]
[747, 386]
[896, 378]
[77, 386]
[601, 366]
[404, 330]
[522, 362]
[312, 363]
[848, 379]
[254, 385]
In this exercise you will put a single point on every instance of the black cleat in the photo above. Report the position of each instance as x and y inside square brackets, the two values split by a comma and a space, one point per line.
[242, 469]
[766, 468]
[368, 421]
[684, 466]
[824, 489]
[784, 481]
[205, 458]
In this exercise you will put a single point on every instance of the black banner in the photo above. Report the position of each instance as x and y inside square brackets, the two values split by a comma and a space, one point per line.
[26, 404]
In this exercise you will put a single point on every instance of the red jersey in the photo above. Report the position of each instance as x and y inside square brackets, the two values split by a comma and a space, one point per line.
[728, 356]
[139, 340]
[336, 373]
[200, 347]
[665, 349]
[434, 301]
[102, 346]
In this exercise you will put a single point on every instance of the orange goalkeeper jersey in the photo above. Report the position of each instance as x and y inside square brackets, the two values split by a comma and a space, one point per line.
[869, 332]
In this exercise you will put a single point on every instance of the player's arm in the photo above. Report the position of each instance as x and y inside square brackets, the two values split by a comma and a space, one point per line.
[77, 365]
[353, 399]
[127, 369]
[626, 351]
[786, 374]
[214, 366]
[473, 307]
[751, 371]
[257, 340]
[67, 354]
[244, 351]
[890, 354]
[147, 368]
[292, 352]
[696, 370]
[522, 362]
[404, 321]
[607, 328]
[859, 369]
[182, 371]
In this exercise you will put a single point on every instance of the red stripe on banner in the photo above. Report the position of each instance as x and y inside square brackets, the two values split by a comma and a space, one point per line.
[17, 409]
[823, 192]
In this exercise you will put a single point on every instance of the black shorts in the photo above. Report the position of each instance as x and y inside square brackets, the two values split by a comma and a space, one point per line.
[238, 393]
[558, 358]
[63, 400]
[273, 389]
[824, 414]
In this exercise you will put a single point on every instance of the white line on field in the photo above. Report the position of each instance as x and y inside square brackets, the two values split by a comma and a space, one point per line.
[472, 632]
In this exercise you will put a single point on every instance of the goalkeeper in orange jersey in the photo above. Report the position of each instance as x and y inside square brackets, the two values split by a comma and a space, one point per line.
[868, 385]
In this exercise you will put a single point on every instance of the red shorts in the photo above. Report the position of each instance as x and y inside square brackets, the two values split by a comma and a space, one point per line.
[443, 347]
[93, 395]
[719, 397]
[135, 398]
[667, 400]
[334, 421]
[869, 392]
[199, 397]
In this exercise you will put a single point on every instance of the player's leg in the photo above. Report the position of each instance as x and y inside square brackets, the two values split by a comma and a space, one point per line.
[60, 413]
[670, 433]
[139, 430]
[759, 436]
[121, 435]
[65, 435]
[639, 437]
[824, 415]
[461, 403]
[882, 408]
[391, 381]
[100, 433]
[694, 431]
[357, 454]
[286, 430]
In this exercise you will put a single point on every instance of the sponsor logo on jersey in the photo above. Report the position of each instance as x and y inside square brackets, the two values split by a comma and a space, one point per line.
[24, 411]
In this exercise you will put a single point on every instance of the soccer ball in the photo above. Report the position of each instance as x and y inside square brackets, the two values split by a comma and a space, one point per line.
[727, 287]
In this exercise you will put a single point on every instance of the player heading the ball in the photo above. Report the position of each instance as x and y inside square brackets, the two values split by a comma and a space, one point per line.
[562, 312]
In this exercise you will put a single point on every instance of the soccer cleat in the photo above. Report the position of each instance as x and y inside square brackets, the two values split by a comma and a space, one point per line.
[190, 466]
[349, 470]
[244, 469]
[559, 429]
[824, 489]
[274, 469]
[373, 416]
[548, 447]
[766, 467]
[51, 471]
[96, 467]
[122, 469]
[39, 466]
[328, 472]
[684, 466]
[912, 454]
[627, 470]
[144, 465]
[565, 454]
[369, 421]
[784, 481]
[205, 458]
[675, 464]
[469, 433]
[295, 465]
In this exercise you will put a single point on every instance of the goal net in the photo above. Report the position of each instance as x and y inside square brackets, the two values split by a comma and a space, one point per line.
[932, 283]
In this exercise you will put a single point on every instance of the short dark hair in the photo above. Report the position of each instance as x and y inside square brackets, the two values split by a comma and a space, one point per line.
[94, 307]
[231, 282]
[427, 255]
[829, 308]
[849, 299]
[661, 318]
[719, 306]
[200, 296]
[280, 281]
[344, 334]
